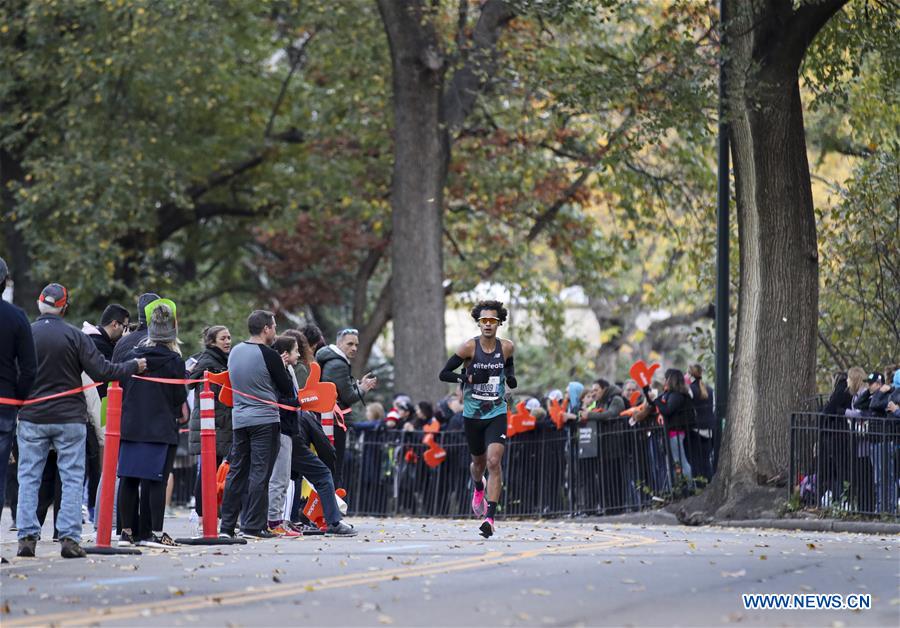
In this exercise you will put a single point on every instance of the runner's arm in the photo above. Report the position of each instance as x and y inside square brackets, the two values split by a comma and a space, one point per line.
[449, 374]
[464, 352]
[509, 366]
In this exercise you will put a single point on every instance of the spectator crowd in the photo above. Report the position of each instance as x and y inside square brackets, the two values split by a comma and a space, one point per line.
[632, 442]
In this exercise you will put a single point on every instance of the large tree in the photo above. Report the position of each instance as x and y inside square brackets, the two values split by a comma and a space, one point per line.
[775, 352]
[432, 98]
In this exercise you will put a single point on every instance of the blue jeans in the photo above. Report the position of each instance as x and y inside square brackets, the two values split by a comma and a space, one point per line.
[35, 441]
[7, 434]
[676, 442]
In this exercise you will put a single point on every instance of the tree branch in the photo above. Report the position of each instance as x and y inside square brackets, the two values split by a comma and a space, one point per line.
[296, 54]
[680, 320]
[480, 66]
[363, 275]
[805, 24]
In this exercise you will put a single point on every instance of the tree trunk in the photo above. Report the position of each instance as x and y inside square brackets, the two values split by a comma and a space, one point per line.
[421, 152]
[26, 287]
[775, 354]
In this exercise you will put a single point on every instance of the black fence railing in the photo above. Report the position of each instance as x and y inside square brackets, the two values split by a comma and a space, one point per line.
[605, 467]
[845, 465]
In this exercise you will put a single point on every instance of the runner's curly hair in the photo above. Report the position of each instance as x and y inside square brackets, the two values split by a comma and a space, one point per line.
[497, 306]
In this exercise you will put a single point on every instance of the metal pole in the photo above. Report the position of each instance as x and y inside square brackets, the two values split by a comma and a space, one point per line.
[722, 238]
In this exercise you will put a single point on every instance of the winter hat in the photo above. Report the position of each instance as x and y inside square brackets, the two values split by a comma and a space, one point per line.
[162, 326]
[556, 393]
[143, 301]
[574, 390]
[532, 404]
[54, 295]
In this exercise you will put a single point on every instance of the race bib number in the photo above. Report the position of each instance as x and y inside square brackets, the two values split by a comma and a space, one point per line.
[487, 391]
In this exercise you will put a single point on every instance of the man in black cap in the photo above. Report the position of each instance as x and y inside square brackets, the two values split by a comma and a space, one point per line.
[129, 342]
[63, 352]
[17, 369]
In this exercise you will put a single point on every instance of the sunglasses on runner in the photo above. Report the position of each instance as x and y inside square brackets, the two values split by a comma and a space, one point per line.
[488, 321]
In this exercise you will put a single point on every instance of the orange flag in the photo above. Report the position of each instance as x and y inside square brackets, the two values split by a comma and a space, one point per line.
[317, 396]
[556, 414]
[642, 374]
[435, 454]
[520, 422]
[224, 381]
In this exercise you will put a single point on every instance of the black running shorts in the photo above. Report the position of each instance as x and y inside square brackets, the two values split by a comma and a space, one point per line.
[483, 432]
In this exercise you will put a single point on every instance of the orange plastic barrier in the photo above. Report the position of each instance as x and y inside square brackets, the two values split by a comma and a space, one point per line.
[313, 509]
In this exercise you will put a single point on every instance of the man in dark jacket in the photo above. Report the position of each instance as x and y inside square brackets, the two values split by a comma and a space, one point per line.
[113, 325]
[335, 362]
[316, 469]
[63, 352]
[17, 369]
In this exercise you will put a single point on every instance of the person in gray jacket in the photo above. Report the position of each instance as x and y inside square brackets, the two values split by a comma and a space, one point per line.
[335, 362]
[63, 352]
[256, 369]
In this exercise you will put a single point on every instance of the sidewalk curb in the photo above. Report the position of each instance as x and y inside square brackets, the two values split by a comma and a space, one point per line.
[662, 517]
[816, 525]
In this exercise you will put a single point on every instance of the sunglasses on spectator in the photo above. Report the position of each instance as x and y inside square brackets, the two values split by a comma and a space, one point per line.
[348, 331]
[488, 321]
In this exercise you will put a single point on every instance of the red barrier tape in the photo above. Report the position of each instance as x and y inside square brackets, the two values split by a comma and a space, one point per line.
[5, 401]
[159, 380]
[165, 380]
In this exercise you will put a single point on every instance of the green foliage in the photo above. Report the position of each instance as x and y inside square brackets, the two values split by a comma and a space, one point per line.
[236, 153]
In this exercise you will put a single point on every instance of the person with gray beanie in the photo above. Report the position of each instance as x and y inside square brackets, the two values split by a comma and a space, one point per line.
[150, 414]
[130, 341]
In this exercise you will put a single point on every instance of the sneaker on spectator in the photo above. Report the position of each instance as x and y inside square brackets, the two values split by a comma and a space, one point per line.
[226, 535]
[259, 534]
[126, 540]
[71, 549]
[27, 545]
[284, 530]
[307, 529]
[159, 541]
[340, 529]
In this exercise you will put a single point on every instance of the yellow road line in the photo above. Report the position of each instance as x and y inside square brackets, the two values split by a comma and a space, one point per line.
[231, 598]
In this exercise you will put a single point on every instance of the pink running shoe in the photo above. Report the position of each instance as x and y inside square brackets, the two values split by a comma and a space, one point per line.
[479, 503]
[487, 527]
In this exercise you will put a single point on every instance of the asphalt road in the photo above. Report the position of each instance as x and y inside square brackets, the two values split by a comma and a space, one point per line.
[412, 572]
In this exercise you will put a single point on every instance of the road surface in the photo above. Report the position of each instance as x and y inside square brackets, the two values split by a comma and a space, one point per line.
[413, 572]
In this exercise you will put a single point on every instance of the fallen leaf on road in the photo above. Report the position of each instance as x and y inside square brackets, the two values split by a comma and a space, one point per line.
[734, 574]
[539, 592]
[176, 591]
[385, 619]
[811, 546]
[5, 608]
[763, 557]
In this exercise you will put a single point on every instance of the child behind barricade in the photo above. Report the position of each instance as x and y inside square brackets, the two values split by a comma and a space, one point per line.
[150, 412]
[286, 346]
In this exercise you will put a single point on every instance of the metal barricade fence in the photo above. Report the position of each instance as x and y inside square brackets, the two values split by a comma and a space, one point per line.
[597, 468]
[845, 464]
